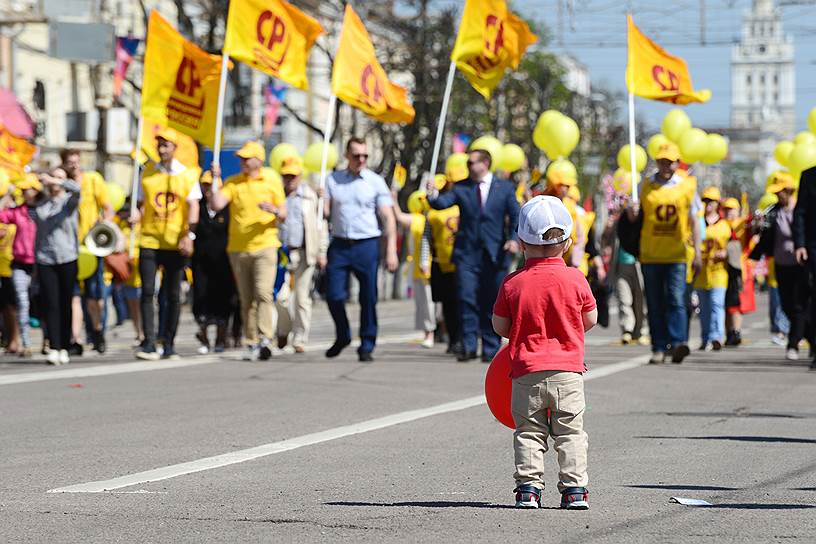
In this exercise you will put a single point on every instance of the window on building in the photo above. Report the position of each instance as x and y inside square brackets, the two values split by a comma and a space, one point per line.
[776, 98]
[776, 79]
[761, 48]
[762, 79]
[748, 79]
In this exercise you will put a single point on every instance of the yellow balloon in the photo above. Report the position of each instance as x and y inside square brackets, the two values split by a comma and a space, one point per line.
[280, 153]
[782, 152]
[717, 149]
[655, 142]
[562, 135]
[512, 158]
[116, 195]
[493, 146]
[540, 140]
[86, 263]
[418, 202]
[456, 159]
[804, 137]
[802, 157]
[675, 124]
[622, 180]
[313, 157]
[693, 144]
[624, 158]
[563, 166]
[811, 120]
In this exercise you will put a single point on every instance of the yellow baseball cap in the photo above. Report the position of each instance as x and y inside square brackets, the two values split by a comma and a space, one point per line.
[252, 150]
[711, 193]
[457, 173]
[560, 178]
[292, 166]
[668, 151]
[731, 204]
[29, 181]
[206, 177]
[168, 134]
[778, 181]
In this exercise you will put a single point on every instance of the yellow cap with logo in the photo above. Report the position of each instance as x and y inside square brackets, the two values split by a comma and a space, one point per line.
[711, 193]
[252, 150]
[292, 166]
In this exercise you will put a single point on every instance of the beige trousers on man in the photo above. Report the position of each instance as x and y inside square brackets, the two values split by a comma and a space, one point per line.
[300, 304]
[563, 394]
[255, 278]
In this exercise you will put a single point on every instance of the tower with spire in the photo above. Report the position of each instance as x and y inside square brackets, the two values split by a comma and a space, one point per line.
[763, 86]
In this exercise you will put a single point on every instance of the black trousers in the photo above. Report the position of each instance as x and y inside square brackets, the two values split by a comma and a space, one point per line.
[173, 264]
[56, 291]
[444, 290]
[213, 289]
[794, 294]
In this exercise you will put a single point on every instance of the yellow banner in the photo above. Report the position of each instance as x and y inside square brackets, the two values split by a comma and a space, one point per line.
[271, 36]
[491, 39]
[15, 153]
[655, 74]
[180, 87]
[360, 81]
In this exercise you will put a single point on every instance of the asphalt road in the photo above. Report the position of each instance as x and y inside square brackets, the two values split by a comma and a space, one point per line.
[304, 449]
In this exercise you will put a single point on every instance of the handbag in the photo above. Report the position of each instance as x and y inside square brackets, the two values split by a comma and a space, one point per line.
[119, 265]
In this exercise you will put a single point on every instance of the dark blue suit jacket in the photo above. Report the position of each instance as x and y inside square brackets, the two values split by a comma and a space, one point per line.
[479, 229]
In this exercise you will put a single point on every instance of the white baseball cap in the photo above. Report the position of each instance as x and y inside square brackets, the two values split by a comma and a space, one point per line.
[541, 214]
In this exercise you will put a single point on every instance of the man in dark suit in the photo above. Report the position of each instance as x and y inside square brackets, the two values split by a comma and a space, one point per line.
[804, 236]
[487, 234]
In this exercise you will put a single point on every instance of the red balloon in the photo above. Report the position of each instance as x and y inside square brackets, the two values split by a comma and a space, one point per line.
[499, 388]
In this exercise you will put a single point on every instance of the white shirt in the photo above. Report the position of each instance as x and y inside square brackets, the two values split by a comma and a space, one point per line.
[484, 188]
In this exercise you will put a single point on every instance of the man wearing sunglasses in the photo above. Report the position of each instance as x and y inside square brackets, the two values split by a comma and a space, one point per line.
[354, 198]
[487, 235]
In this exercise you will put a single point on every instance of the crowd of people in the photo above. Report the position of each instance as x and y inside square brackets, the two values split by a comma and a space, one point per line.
[254, 246]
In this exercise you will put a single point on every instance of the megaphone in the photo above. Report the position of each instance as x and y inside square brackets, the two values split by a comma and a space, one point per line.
[104, 238]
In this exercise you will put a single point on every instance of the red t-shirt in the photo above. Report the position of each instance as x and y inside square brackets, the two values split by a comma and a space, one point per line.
[545, 301]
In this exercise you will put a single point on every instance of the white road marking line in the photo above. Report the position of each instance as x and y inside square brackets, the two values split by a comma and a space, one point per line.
[241, 456]
[146, 366]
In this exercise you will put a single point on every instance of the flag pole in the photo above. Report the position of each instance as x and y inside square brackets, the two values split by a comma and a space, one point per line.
[324, 161]
[219, 114]
[134, 185]
[635, 194]
[440, 128]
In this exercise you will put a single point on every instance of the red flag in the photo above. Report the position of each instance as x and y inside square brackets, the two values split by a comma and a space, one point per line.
[125, 50]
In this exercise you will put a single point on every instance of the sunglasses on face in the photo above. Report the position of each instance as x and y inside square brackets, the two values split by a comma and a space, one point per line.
[471, 163]
[360, 156]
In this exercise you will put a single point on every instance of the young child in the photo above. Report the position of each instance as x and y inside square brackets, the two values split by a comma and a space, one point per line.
[544, 310]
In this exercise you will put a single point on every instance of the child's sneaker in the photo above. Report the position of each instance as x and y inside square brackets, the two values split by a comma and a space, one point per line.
[528, 496]
[575, 498]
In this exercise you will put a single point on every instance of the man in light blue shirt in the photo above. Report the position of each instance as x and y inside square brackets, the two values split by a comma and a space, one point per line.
[355, 197]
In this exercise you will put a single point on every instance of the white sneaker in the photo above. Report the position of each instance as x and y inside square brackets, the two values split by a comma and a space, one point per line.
[428, 343]
[252, 353]
[53, 357]
[64, 359]
[792, 355]
[203, 350]
[779, 339]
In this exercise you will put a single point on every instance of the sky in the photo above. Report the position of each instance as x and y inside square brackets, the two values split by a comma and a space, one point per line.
[595, 33]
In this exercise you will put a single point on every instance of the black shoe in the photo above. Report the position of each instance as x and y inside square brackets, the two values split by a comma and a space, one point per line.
[487, 358]
[75, 350]
[716, 345]
[575, 498]
[679, 353]
[264, 353]
[813, 365]
[337, 347]
[466, 356]
[99, 344]
[365, 356]
[169, 354]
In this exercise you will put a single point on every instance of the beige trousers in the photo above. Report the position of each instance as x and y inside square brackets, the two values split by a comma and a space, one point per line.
[563, 394]
[255, 278]
[297, 300]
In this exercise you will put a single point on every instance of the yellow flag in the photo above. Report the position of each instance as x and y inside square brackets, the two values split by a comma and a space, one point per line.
[15, 152]
[400, 176]
[491, 39]
[180, 87]
[655, 74]
[360, 81]
[271, 36]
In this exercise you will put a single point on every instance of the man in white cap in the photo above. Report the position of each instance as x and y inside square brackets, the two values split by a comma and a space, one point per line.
[544, 310]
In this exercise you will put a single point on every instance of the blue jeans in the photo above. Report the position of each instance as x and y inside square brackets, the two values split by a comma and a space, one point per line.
[712, 314]
[779, 321]
[665, 286]
[362, 258]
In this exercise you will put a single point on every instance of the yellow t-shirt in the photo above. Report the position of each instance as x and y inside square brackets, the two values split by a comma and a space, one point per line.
[135, 280]
[93, 197]
[252, 229]
[586, 219]
[164, 198]
[7, 233]
[714, 274]
[666, 228]
[444, 225]
[417, 230]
